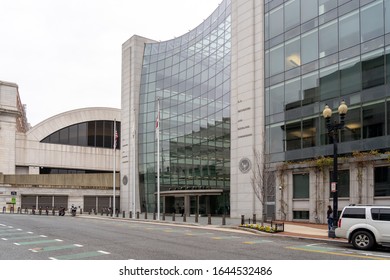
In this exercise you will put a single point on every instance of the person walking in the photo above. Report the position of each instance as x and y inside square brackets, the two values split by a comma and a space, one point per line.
[329, 216]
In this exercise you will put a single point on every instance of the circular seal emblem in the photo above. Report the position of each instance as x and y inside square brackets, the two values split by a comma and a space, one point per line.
[125, 180]
[244, 165]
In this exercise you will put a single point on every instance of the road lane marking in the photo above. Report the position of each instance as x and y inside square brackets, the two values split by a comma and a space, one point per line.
[80, 255]
[37, 242]
[225, 237]
[11, 233]
[323, 250]
[54, 248]
[256, 242]
[22, 237]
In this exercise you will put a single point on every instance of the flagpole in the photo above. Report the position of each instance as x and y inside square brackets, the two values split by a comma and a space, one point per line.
[113, 175]
[158, 158]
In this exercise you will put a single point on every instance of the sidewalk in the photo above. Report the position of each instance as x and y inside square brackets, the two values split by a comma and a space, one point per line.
[291, 229]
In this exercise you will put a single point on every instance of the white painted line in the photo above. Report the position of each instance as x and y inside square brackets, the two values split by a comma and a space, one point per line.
[43, 236]
[103, 252]
[17, 244]
[10, 227]
[4, 239]
[30, 232]
[51, 258]
[78, 245]
[59, 240]
[19, 229]
[2, 225]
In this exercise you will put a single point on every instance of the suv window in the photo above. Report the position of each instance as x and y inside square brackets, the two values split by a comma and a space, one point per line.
[354, 213]
[381, 214]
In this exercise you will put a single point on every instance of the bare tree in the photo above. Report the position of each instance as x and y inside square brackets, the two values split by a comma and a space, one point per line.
[263, 181]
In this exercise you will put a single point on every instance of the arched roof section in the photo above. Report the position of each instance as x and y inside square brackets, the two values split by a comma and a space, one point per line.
[57, 122]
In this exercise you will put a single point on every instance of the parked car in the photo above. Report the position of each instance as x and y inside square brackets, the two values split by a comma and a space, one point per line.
[365, 226]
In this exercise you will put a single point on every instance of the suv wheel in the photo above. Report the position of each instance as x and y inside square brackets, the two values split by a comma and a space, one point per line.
[363, 240]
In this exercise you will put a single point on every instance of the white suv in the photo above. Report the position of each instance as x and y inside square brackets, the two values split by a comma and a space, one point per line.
[365, 226]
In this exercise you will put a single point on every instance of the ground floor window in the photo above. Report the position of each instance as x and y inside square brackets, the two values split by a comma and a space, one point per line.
[301, 185]
[342, 183]
[382, 181]
[301, 215]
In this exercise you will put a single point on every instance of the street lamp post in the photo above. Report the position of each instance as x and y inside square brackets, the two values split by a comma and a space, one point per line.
[333, 129]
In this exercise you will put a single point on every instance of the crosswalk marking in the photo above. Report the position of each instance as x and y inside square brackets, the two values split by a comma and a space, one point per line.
[54, 248]
[37, 242]
[80, 255]
[22, 237]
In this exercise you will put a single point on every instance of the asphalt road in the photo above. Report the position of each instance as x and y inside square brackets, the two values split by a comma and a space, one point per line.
[28, 237]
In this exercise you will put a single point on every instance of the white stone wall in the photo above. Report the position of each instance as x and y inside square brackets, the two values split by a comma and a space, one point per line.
[247, 102]
[132, 58]
[8, 116]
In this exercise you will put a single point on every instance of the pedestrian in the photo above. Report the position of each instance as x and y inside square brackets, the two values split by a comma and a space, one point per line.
[329, 216]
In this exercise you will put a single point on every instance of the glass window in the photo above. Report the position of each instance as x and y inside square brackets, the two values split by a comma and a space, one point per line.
[292, 54]
[352, 128]
[328, 38]
[293, 136]
[292, 91]
[276, 22]
[309, 132]
[73, 135]
[382, 181]
[301, 215]
[350, 76]
[64, 136]
[276, 60]
[373, 71]
[276, 99]
[380, 214]
[354, 213]
[387, 16]
[329, 82]
[300, 185]
[349, 31]
[326, 5]
[342, 183]
[372, 24]
[309, 10]
[373, 120]
[309, 43]
[310, 88]
[291, 14]
[276, 138]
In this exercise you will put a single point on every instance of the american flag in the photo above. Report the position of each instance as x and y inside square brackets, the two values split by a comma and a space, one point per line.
[115, 138]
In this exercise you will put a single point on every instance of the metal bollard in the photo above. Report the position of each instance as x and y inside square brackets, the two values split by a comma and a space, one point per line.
[224, 220]
[163, 216]
[184, 217]
[209, 219]
[242, 219]
[254, 218]
[137, 215]
[173, 216]
[196, 218]
[154, 215]
[123, 214]
[146, 215]
[131, 214]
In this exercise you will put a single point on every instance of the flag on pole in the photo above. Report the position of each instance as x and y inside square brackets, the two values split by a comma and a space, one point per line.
[115, 138]
[158, 119]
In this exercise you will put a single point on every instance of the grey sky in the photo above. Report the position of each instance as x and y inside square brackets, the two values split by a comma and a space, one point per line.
[66, 54]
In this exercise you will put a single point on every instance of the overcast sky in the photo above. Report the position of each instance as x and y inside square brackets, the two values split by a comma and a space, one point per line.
[66, 54]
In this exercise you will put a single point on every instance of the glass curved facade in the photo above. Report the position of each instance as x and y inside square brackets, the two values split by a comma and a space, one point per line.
[99, 134]
[190, 75]
[319, 52]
